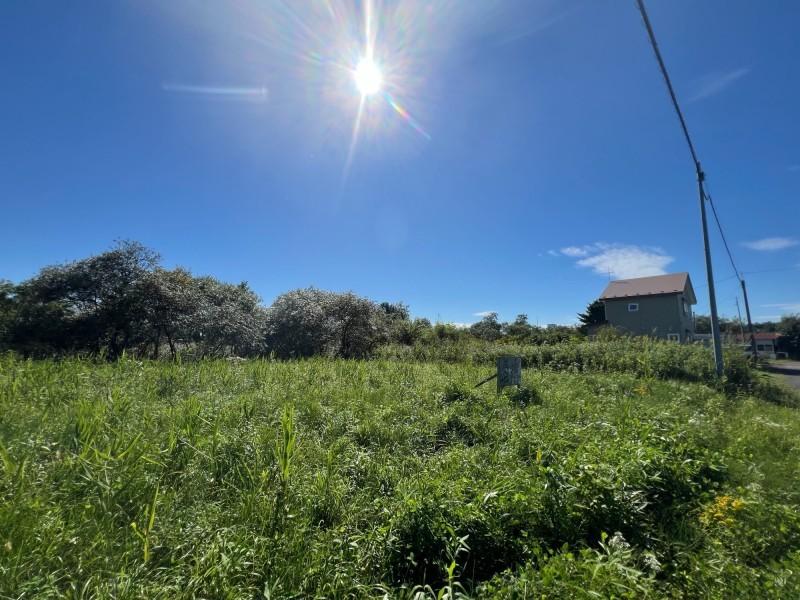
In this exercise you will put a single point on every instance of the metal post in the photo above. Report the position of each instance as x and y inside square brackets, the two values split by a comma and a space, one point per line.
[712, 296]
[749, 321]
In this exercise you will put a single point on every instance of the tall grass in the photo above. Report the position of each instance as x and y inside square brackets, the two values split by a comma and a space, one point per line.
[641, 356]
[325, 478]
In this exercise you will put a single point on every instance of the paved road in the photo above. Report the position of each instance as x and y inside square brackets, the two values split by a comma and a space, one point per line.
[789, 370]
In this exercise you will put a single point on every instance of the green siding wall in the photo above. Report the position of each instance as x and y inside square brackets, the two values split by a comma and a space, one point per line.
[657, 316]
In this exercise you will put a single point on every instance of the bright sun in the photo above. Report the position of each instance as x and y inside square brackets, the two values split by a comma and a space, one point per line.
[368, 77]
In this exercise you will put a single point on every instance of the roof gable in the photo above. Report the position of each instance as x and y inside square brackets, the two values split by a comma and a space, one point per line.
[673, 283]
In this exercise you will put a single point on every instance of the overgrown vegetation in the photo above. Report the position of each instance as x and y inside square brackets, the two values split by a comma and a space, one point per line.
[123, 301]
[332, 478]
[644, 357]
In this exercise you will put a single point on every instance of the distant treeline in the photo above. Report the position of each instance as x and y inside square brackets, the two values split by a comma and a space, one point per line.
[124, 301]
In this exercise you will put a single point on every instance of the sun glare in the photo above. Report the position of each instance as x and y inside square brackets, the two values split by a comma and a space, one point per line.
[368, 77]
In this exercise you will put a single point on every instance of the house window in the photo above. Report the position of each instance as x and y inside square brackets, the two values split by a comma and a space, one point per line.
[685, 307]
[633, 307]
[760, 347]
[674, 337]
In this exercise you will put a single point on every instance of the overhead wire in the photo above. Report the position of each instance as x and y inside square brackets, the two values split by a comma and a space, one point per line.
[651, 34]
[700, 175]
[704, 197]
[707, 196]
[770, 270]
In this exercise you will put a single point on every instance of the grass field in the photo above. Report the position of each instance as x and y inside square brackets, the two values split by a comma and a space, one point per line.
[325, 478]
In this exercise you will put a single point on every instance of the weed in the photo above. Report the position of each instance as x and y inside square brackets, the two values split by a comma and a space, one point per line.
[316, 478]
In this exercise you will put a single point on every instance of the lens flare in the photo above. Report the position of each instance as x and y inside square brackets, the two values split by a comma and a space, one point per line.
[368, 77]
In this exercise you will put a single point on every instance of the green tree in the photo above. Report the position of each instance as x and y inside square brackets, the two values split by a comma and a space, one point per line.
[789, 328]
[309, 321]
[90, 304]
[228, 319]
[702, 324]
[169, 306]
[519, 329]
[595, 314]
[9, 308]
[488, 328]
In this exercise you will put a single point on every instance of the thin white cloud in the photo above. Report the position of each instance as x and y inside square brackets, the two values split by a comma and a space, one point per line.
[771, 244]
[553, 253]
[535, 28]
[484, 313]
[259, 94]
[574, 251]
[717, 82]
[622, 261]
[793, 168]
[768, 318]
[786, 306]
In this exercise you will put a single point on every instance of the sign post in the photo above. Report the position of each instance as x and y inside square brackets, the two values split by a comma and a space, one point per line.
[509, 371]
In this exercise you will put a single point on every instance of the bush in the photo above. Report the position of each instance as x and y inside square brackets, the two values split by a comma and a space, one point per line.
[456, 392]
[311, 322]
[523, 396]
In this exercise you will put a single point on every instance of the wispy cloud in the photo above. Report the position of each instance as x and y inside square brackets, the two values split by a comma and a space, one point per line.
[622, 261]
[771, 244]
[785, 306]
[716, 82]
[761, 318]
[536, 27]
[793, 168]
[574, 251]
[258, 94]
[484, 313]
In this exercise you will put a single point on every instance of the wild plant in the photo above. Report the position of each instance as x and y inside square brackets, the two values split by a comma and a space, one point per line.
[285, 445]
[144, 533]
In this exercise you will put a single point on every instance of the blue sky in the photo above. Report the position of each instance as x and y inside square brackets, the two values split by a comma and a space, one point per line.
[522, 153]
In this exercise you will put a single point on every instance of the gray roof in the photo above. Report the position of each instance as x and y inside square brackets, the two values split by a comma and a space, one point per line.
[673, 283]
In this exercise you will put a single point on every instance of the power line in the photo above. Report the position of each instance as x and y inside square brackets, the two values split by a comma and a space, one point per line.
[667, 80]
[684, 127]
[770, 270]
[712, 299]
[722, 234]
[702, 286]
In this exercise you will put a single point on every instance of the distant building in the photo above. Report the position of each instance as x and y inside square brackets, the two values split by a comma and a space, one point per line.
[658, 306]
[766, 343]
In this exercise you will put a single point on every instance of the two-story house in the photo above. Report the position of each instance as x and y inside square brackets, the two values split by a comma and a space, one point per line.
[658, 306]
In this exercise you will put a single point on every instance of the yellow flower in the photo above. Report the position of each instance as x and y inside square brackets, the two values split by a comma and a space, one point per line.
[721, 510]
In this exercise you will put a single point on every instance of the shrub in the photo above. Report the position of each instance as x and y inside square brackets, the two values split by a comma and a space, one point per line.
[640, 356]
[456, 392]
[310, 322]
[523, 396]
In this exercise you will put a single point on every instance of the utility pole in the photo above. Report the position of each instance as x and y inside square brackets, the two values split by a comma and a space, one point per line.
[712, 296]
[749, 321]
[741, 323]
[700, 187]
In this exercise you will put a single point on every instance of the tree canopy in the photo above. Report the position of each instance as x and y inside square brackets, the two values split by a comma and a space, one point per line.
[125, 301]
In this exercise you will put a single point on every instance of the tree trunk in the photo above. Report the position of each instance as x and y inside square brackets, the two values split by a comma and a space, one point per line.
[171, 346]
